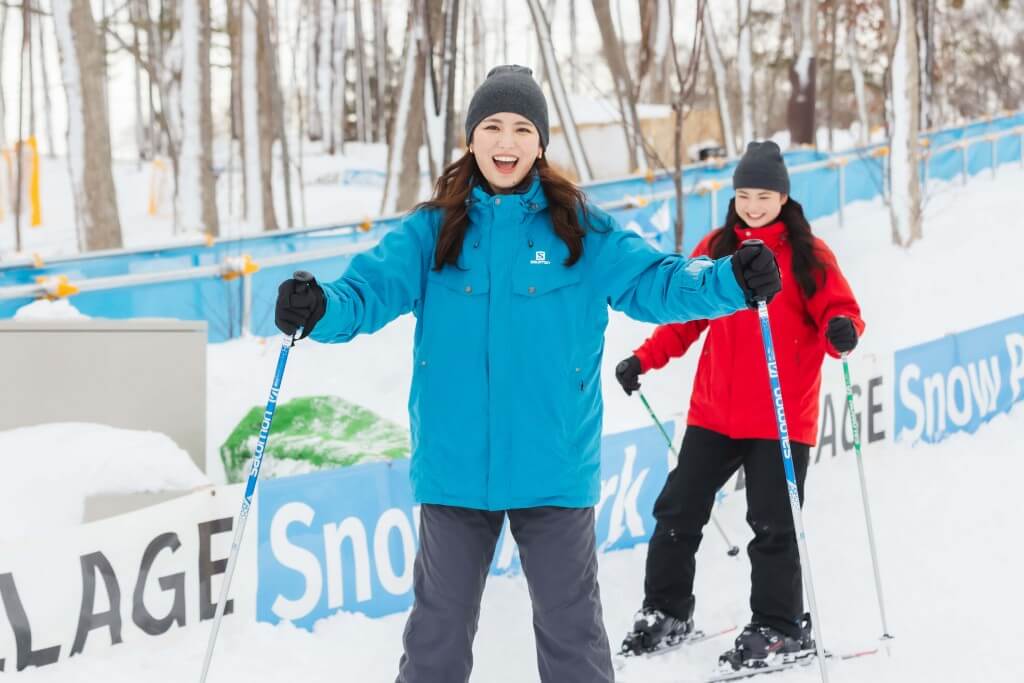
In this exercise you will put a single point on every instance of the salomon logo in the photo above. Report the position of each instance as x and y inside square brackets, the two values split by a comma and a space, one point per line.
[540, 259]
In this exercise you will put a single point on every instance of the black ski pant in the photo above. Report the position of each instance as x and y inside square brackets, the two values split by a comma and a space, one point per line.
[558, 552]
[706, 461]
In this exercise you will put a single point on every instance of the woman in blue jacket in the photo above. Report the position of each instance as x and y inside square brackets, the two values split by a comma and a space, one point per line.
[510, 274]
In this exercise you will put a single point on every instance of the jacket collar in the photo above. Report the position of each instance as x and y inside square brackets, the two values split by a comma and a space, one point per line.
[773, 233]
[531, 200]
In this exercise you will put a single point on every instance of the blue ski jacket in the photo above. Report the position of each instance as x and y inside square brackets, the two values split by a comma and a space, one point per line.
[505, 404]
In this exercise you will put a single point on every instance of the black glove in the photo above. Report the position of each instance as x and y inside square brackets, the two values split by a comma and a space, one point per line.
[300, 303]
[841, 334]
[757, 272]
[628, 374]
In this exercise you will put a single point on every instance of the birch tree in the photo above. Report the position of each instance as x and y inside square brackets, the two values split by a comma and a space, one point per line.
[88, 137]
[339, 55]
[622, 80]
[559, 97]
[196, 190]
[803, 74]
[381, 67]
[3, 102]
[314, 43]
[402, 185]
[745, 69]
[364, 115]
[720, 81]
[905, 195]
[439, 91]
[857, 73]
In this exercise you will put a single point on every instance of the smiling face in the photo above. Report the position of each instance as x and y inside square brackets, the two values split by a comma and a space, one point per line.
[759, 207]
[505, 146]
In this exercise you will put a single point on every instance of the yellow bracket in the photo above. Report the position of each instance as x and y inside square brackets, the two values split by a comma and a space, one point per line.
[649, 175]
[208, 239]
[56, 286]
[880, 152]
[238, 266]
[37, 260]
[366, 225]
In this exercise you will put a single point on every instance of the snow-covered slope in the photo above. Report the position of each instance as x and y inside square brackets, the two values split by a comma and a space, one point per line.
[947, 518]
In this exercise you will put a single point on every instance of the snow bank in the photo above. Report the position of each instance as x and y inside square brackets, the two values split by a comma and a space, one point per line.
[49, 470]
[44, 309]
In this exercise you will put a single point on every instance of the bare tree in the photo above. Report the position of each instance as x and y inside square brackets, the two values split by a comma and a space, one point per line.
[44, 72]
[719, 79]
[905, 196]
[401, 188]
[745, 69]
[686, 82]
[857, 73]
[266, 85]
[314, 43]
[364, 121]
[380, 63]
[196, 190]
[88, 138]
[440, 87]
[559, 96]
[623, 82]
[803, 74]
[3, 102]
[339, 54]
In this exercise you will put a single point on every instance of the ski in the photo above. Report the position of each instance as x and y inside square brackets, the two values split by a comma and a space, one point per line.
[621, 659]
[801, 660]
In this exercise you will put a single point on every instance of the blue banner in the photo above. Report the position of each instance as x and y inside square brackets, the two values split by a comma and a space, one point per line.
[959, 382]
[345, 539]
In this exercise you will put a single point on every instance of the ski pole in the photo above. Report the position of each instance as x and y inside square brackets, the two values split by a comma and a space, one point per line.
[287, 341]
[864, 495]
[794, 491]
[733, 550]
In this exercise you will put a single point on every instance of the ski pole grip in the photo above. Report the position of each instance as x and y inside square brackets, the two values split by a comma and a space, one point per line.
[754, 242]
[303, 276]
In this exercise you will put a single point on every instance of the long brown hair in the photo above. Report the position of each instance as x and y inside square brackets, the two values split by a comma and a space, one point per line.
[566, 203]
[809, 269]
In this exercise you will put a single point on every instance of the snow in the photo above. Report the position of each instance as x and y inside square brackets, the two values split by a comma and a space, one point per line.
[944, 514]
[68, 461]
[44, 309]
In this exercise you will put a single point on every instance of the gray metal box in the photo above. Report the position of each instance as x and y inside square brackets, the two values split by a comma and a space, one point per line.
[147, 374]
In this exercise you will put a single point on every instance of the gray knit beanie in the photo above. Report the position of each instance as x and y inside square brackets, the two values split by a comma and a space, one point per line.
[509, 88]
[762, 167]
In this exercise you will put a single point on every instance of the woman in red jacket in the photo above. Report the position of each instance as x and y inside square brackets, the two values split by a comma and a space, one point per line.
[731, 421]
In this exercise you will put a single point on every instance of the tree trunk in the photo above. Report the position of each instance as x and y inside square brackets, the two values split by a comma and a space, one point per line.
[44, 72]
[3, 103]
[720, 79]
[196, 189]
[325, 81]
[926, 49]
[92, 182]
[364, 123]
[265, 85]
[273, 41]
[402, 186]
[314, 41]
[380, 63]
[141, 144]
[559, 96]
[905, 197]
[803, 76]
[853, 56]
[624, 92]
[339, 50]
[832, 33]
[745, 67]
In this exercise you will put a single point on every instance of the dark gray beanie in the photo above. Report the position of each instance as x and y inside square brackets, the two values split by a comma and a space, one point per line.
[509, 88]
[762, 167]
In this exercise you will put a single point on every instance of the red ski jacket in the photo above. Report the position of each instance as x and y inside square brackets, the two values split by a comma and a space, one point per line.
[731, 393]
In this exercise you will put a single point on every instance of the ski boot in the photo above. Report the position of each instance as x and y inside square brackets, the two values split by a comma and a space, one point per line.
[760, 646]
[654, 631]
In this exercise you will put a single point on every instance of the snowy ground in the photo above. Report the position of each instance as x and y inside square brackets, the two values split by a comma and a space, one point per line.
[946, 522]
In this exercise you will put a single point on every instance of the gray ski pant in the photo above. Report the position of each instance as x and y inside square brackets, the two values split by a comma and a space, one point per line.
[559, 559]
